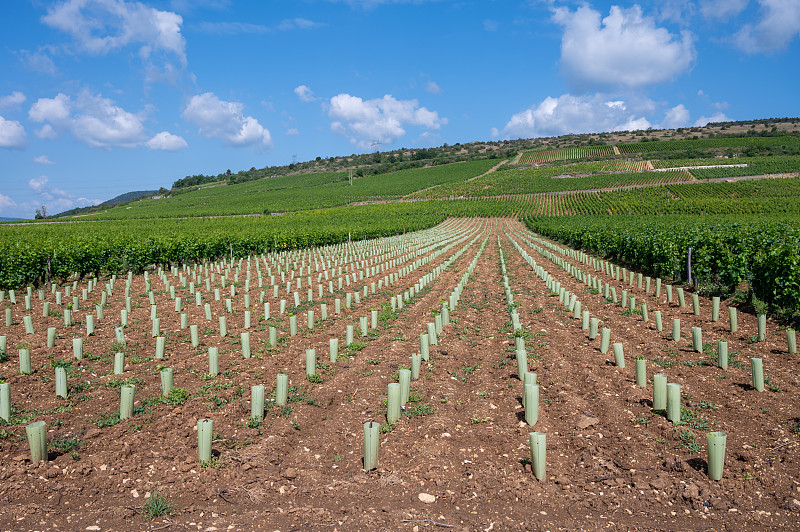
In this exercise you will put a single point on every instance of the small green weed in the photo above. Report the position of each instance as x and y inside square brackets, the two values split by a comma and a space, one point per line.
[156, 506]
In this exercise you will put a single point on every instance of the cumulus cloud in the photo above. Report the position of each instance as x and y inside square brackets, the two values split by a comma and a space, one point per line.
[676, 117]
[38, 184]
[6, 202]
[369, 4]
[237, 28]
[304, 93]
[716, 117]
[623, 49]
[217, 118]
[46, 132]
[38, 61]
[576, 114]
[14, 99]
[778, 26]
[433, 87]
[102, 26]
[55, 199]
[722, 9]
[166, 141]
[381, 120]
[90, 118]
[12, 134]
[43, 159]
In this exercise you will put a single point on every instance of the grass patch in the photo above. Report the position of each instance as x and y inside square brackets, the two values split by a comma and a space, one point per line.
[156, 506]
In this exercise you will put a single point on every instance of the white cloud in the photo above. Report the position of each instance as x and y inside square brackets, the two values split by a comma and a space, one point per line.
[38, 184]
[90, 118]
[490, 25]
[46, 132]
[380, 120]
[102, 26]
[433, 87]
[217, 118]
[304, 93]
[237, 28]
[676, 117]
[678, 11]
[716, 117]
[51, 109]
[369, 4]
[292, 131]
[191, 5]
[12, 134]
[14, 99]
[43, 159]
[722, 9]
[166, 141]
[6, 202]
[576, 114]
[55, 199]
[778, 26]
[623, 49]
[38, 61]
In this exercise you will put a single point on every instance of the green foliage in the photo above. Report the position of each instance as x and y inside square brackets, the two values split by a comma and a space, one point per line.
[688, 439]
[119, 383]
[728, 250]
[177, 396]
[63, 444]
[419, 410]
[108, 419]
[156, 506]
[466, 372]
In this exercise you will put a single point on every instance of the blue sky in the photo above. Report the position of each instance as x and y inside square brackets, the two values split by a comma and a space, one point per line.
[100, 97]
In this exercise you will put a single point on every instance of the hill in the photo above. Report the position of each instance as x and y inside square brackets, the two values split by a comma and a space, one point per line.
[122, 198]
[525, 179]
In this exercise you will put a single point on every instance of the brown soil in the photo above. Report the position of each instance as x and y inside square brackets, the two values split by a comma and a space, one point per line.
[612, 462]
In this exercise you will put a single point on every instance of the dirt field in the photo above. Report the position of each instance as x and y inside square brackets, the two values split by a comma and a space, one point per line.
[459, 457]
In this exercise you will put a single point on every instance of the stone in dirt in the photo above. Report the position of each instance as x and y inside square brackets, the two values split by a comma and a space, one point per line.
[426, 497]
[587, 421]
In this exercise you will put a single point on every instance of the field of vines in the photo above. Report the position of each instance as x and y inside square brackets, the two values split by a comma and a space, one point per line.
[737, 167]
[551, 179]
[618, 165]
[432, 379]
[296, 192]
[727, 252]
[565, 154]
[706, 144]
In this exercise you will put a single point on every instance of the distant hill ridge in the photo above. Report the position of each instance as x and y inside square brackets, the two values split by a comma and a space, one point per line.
[122, 198]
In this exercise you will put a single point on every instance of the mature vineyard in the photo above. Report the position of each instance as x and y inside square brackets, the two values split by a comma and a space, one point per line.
[727, 252]
[297, 192]
[551, 179]
[708, 143]
[400, 374]
[619, 165]
[37, 253]
[565, 154]
[741, 166]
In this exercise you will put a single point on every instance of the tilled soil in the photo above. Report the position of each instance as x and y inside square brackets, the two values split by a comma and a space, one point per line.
[458, 458]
